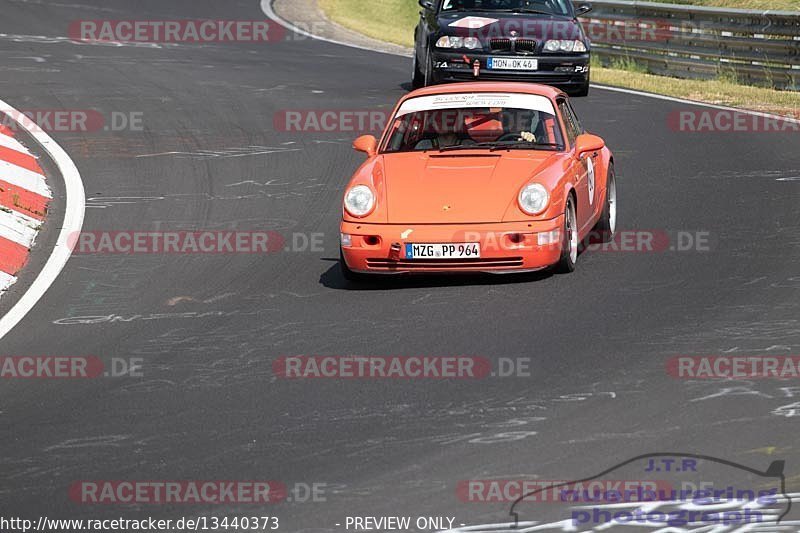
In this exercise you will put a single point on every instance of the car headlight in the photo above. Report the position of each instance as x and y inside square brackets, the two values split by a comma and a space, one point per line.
[359, 201]
[451, 41]
[472, 43]
[555, 45]
[447, 41]
[533, 198]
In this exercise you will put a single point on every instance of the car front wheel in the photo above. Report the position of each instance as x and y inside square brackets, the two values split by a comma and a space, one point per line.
[607, 225]
[418, 79]
[569, 240]
[583, 90]
[428, 70]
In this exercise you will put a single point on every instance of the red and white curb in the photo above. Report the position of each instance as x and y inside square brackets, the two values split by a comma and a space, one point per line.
[23, 204]
[24, 196]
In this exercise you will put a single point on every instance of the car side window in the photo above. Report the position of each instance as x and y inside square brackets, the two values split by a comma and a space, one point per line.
[569, 122]
[574, 117]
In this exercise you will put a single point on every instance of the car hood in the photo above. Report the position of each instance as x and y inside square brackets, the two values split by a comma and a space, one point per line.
[485, 25]
[455, 187]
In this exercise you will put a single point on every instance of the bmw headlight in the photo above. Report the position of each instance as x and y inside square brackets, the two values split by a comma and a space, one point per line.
[359, 201]
[555, 45]
[451, 41]
[533, 199]
[472, 43]
[447, 41]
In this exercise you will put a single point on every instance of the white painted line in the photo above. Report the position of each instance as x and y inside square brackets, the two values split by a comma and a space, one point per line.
[18, 228]
[6, 281]
[699, 104]
[24, 179]
[8, 141]
[266, 7]
[73, 222]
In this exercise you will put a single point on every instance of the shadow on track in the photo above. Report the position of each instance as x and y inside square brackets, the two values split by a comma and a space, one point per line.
[333, 279]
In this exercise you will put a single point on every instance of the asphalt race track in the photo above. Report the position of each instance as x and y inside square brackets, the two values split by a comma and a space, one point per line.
[208, 328]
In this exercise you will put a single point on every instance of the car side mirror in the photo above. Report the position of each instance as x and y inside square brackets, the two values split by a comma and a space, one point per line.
[588, 143]
[427, 4]
[579, 11]
[367, 144]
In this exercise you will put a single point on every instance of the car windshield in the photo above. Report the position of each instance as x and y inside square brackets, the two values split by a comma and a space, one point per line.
[475, 122]
[554, 7]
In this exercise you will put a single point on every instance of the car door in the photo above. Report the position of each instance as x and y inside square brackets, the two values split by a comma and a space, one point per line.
[578, 169]
[591, 169]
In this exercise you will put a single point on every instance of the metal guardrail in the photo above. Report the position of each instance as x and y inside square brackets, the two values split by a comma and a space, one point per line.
[753, 47]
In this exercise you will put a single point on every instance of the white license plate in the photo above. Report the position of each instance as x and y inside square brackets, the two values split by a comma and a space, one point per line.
[512, 63]
[456, 250]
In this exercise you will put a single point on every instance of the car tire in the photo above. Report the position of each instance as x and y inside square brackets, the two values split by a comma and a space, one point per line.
[418, 78]
[348, 274]
[583, 90]
[569, 242]
[606, 227]
[428, 78]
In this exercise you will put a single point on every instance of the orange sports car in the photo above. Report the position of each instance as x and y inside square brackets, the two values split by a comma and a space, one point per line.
[477, 177]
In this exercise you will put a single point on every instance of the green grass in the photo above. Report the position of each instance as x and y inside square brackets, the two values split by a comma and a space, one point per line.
[394, 21]
[388, 20]
[720, 91]
[619, 63]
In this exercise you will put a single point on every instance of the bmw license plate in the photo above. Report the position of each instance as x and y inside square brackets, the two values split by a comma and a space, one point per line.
[512, 63]
[460, 250]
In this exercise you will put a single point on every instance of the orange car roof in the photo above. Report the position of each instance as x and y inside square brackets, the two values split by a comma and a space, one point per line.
[487, 86]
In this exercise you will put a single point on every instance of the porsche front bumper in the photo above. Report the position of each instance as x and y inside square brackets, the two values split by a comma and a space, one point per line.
[505, 247]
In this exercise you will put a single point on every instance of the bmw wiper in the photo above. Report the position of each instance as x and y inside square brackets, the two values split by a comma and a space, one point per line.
[522, 144]
[525, 10]
[534, 11]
